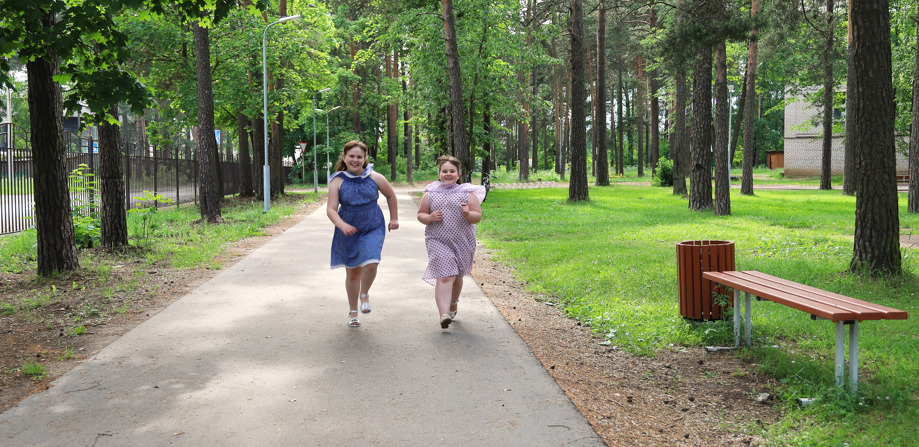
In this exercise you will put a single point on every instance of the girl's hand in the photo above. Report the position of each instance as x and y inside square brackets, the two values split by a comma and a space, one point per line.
[393, 225]
[465, 207]
[437, 216]
[348, 230]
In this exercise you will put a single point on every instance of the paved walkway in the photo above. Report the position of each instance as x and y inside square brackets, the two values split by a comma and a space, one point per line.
[262, 355]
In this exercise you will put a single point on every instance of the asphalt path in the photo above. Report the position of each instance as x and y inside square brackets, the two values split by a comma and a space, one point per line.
[261, 355]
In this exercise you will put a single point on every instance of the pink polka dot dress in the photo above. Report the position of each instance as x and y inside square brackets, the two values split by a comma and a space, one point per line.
[450, 242]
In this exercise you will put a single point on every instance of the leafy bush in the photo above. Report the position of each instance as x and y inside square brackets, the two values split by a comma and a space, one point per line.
[86, 221]
[664, 174]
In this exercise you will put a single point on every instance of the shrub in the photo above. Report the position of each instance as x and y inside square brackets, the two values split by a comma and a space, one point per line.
[664, 174]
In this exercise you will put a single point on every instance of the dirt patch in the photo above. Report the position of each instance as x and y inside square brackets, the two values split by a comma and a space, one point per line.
[78, 313]
[679, 397]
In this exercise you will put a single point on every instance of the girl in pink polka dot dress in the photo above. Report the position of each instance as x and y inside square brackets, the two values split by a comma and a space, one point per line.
[450, 211]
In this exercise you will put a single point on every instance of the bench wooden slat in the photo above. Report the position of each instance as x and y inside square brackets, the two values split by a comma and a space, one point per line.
[839, 301]
[781, 297]
[888, 312]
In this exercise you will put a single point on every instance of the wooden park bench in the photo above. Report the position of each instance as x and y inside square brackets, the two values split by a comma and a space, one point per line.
[820, 304]
[903, 179]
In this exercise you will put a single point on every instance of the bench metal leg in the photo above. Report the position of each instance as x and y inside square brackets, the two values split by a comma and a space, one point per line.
[736, 318]
[840, 353]
[853, 356]
[747, 322]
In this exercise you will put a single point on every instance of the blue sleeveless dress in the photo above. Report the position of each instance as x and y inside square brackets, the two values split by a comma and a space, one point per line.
[358, 207]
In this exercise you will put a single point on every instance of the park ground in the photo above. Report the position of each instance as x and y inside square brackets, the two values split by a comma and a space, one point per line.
[707, 398]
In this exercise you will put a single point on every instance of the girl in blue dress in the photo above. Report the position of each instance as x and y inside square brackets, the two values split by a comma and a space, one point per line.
[359, 223]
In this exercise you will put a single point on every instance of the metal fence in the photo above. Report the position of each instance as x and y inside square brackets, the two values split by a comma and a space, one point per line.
[175, 178]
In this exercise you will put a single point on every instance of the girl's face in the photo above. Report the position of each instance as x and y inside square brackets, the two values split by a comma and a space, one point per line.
[448, 173]
[354, 159]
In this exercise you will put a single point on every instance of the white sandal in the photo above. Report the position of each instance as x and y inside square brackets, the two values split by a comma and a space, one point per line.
[353, 321]
[365, 305]
[453, 312]
[445, 320]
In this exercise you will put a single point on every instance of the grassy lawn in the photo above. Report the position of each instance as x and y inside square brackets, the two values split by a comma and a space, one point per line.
[611, 263]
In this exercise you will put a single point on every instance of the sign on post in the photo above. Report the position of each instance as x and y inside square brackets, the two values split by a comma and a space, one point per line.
[303, 154]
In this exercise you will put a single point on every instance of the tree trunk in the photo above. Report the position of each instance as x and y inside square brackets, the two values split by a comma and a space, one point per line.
[245, 160]
[533, 120]
[640, 115]
[460, 143]
[722, 182]
[523, 167]
[407, 131]
[275, 153]
[486, 127]
[749, 152]
[655, 110]
[601, 164]
[877, 224]
[738, 120]
[619, 124]
[680, 141]
[912, 204]
[577, 190]
[700, 183]
[208, 198]
[392, 117]
[114, 230]
[355, 93]
[56, 245]
[828, 58]
[849, 159]
[258, 156]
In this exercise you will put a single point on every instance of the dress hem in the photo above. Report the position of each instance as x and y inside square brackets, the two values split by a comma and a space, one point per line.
[369, 261]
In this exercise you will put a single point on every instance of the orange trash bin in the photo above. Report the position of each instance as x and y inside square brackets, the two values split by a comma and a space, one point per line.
[694, 258]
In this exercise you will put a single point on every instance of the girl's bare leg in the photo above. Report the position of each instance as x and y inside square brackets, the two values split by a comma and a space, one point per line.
[457, 289]
[368, 274]
[353, 285]
[443, 293]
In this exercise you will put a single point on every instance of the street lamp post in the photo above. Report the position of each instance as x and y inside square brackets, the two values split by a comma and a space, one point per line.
[315, 170]
[266, 171]
[326, 137]
[730, 161]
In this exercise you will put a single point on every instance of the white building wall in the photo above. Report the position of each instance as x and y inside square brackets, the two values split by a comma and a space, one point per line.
[804, 145]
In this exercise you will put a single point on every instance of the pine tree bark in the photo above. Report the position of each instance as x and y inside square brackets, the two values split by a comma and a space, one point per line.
[619, 123]
[849, 159]
[523, 167]
[245, 160]
[680, 141]
[746, 181]
[877, 224]
[912, 203]
[577, 190]
[407, 131]
[654, 139]
[722, 183]
[258, 156]
[700, 183]
[208, 198]
[640, 115]
[739, 119]
[56, 244]
[114, 220]
[602, 163]
[829, 54]
[486, 127]
[460, 142]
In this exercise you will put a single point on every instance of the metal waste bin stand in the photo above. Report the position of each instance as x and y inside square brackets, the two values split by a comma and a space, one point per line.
[694, 258]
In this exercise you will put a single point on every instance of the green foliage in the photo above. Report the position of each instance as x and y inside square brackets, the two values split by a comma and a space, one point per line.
[663, 175]
[147, 213]
[17, 251]
[610, 264]
[86, 223]
[33, 370]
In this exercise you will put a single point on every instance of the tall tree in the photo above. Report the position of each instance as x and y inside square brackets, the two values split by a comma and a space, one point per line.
[829, 56]
[460, 142]
[722, 182]
[407, 129]
[654, 127]
[577, 190]
[640, 113]
[114, 222]
[877, 224]
[700, 183]
[912, 204]
[601, 165]
[746, 180]
[245, 159]
[849, 158]
[209, 199]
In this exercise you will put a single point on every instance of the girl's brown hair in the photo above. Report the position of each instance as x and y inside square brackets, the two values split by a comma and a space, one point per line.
[341, 166]
[452, 160]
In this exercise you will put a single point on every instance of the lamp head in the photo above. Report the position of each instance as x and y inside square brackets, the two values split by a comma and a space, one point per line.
[333, 108]
[324, 90]
[289, 18]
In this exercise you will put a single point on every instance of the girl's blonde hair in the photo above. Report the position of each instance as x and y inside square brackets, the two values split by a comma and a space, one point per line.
[341, 166]
[452, 160]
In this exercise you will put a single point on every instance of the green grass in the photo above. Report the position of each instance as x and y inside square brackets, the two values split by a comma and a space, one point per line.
[611, 262]
[34, 370]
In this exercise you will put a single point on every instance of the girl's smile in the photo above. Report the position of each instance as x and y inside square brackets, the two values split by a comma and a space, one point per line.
[448, 173]
[354, 160]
